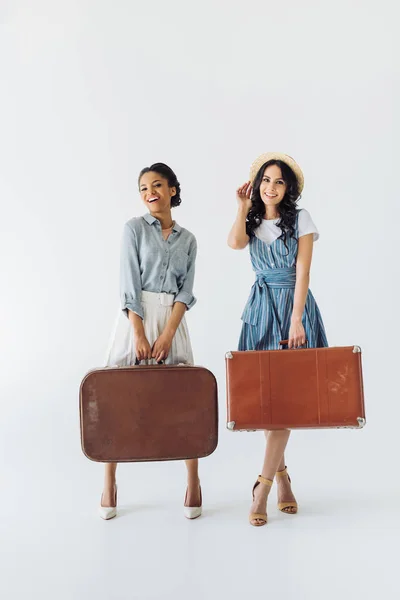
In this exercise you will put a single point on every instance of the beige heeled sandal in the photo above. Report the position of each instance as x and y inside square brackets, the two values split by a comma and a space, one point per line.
[193, 512]
[259, 516]
[283, 506]
[108, 512]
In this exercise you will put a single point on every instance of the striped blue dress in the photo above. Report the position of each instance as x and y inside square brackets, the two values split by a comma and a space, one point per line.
[267, 314]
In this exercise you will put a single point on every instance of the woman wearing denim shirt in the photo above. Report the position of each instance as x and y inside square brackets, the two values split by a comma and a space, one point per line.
[157, 273]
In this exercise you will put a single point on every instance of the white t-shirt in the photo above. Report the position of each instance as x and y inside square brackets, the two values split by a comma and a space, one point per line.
[268, 231]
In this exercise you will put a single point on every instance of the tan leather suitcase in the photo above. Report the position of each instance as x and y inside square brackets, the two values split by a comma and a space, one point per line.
[148, 413]
[289, 389]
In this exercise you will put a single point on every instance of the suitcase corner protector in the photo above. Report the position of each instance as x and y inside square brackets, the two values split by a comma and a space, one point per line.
[356, 350]
[229, 355]
[231, 425]
[361, 422]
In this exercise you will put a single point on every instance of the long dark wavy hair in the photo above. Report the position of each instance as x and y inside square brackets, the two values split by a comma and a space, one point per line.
[287, 208]
[168, 174]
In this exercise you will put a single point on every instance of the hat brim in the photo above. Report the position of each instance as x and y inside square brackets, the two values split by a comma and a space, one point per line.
[288, 160]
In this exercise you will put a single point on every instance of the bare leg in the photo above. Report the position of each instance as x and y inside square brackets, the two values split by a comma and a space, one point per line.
[193, 490]
[109, 484]
[276, 444]
[274, 452]
[285, 493]
[282, 464]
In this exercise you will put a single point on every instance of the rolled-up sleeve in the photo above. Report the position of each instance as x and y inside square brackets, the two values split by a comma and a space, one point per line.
[185, 293]
[130, 279]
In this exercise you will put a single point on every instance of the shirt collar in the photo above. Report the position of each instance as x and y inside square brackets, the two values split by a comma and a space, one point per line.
[151, 220]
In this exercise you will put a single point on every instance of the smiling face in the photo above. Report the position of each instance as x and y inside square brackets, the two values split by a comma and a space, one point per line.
[155, 192]
[273, 187]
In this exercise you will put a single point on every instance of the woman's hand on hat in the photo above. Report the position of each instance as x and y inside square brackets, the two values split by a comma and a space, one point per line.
[243, 195]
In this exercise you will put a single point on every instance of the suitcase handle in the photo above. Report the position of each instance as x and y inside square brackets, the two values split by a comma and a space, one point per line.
[137, 362]
[286, 342]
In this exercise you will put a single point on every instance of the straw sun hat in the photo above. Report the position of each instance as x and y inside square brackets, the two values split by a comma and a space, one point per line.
[288, 160]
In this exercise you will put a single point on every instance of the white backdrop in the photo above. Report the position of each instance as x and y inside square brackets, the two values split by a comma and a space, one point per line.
[92, 91]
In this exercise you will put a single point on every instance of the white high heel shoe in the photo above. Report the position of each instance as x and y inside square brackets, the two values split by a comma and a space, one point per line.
[108, 512]
[193, 512]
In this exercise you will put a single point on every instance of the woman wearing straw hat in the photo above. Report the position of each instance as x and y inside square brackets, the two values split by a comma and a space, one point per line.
[280, 306]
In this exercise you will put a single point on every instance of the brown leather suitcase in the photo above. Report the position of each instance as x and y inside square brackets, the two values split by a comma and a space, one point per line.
[290, 389]
[148, 413]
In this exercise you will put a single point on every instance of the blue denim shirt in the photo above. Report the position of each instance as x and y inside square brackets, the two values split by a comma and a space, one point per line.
[152, 264]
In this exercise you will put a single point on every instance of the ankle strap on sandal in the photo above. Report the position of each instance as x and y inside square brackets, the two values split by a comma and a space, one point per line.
[281, 473]
[265, 481]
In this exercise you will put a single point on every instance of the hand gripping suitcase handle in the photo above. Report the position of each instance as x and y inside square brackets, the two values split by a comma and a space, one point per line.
[137, 362]
[286, 342]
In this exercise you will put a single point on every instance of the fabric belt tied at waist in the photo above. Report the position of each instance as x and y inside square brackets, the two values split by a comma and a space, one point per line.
[260, 309]
[277, 278]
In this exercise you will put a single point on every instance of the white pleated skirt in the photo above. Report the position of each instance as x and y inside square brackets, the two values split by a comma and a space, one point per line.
[157, 309]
